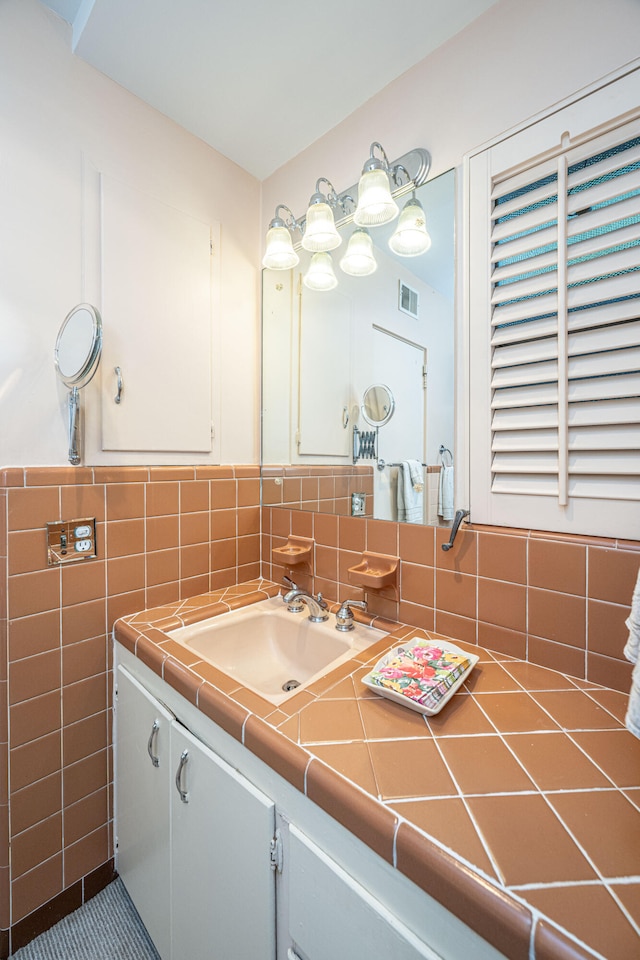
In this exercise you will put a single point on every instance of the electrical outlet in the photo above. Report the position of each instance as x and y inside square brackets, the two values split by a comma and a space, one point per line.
[69, 540]
[358, 504]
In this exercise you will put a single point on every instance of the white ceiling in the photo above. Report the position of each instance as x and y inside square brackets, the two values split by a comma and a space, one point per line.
[259, 81]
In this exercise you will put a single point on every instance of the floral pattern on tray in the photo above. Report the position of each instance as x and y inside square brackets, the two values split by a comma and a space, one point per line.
[422, 673]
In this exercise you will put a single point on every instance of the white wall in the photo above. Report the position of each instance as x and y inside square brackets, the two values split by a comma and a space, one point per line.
[55, 110]
[511, 63]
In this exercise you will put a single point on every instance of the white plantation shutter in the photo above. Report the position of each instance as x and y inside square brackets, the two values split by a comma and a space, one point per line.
[561, 434]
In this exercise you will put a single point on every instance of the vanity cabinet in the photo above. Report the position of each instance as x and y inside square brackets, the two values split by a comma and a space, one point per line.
[142, 805]
[200, 873]
[193, 837]
[332, 915]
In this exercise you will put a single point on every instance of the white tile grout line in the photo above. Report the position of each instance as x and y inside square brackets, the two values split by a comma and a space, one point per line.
[539, 791]
[563, 884]
[535, 917]
[586, 612]
[514, 891]
[598, 872]
[480, 835]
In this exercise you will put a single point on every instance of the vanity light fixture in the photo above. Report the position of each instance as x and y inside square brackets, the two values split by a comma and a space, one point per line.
[320, 275]
[375, 203]
[280, 254]
[410, 237]
[380, 185]
[320, 233]
[358, 260]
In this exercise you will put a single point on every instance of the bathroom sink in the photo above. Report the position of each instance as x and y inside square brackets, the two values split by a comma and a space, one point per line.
[273, 652]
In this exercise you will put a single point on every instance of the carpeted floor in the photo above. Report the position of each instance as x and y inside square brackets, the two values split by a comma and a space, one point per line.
[105, 928]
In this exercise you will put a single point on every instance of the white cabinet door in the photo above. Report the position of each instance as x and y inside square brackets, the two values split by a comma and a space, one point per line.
[156, 278]
[193, 838]
[332, 915]
[223, 884]
[142, 806]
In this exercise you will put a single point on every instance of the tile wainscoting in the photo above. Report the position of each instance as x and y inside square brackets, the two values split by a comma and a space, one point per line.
[328, 489]
[558, 601]
[322, 489]
[163, 534]
[168, 533]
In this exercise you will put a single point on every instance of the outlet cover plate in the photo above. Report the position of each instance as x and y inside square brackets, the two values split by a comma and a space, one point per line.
[71, 540]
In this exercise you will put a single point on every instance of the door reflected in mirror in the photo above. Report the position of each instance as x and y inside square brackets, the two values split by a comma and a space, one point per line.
[374, 356]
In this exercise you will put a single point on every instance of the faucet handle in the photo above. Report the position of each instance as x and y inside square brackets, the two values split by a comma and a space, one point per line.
[344, 616]
[290, 597]
[322, 602]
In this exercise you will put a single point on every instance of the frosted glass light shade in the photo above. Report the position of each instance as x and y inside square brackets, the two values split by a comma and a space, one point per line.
[279, 254]
[320, 275]
[410, 238]
[375, 203]
[320, 232]
[358, 260]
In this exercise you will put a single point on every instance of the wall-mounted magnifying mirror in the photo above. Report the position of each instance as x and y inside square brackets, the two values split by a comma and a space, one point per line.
[378, 404]
[76, 357]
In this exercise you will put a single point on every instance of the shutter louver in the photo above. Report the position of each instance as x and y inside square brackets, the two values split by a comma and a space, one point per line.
[565, 318]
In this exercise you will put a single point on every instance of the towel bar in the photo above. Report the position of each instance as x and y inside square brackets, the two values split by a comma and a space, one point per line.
[383, 463]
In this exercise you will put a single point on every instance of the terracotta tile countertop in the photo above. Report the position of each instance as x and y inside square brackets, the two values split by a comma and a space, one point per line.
[517, 806]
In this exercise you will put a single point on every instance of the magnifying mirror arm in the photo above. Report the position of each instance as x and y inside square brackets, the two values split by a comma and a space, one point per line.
[74, 426]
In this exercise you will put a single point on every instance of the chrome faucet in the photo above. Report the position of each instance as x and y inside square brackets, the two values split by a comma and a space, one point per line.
[296, 596]
[344, 616]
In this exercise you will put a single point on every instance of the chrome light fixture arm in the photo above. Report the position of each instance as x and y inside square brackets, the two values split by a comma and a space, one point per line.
[393, 171]
[407, 173]
[289, 222]
[332, 198]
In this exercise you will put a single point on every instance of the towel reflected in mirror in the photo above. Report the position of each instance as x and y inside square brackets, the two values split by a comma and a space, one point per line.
[410, 497]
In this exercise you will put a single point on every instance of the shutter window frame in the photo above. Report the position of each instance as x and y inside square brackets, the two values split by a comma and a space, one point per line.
[554, 305]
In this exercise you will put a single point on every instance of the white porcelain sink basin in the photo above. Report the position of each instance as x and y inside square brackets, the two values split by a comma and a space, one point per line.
[273, 652]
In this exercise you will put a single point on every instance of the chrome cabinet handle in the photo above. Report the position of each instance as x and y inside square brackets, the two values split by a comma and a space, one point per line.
[119, 384]
[345, 417]
[153, 737]
[184, 794]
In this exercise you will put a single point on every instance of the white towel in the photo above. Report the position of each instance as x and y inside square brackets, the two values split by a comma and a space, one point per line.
[445, 493]
[410, 495]
[632, 653]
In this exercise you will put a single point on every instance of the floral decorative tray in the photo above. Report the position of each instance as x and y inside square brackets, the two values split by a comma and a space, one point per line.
[421, 674]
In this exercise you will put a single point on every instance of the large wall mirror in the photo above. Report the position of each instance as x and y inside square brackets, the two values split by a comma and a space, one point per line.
[323, 351]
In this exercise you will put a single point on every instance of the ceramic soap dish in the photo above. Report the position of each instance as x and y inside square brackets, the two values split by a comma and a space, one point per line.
[421, 674]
